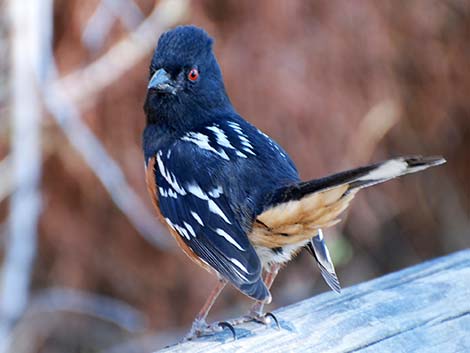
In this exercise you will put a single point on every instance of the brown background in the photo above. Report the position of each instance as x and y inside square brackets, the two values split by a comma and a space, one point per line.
[337, 83]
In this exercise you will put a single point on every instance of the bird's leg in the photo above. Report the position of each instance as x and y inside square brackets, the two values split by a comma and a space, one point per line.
[256, 310]
[200, 326]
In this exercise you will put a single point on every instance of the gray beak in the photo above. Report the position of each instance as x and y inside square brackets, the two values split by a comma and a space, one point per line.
[162, 82]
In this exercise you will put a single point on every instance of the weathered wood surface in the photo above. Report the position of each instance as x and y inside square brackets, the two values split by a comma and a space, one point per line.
[425, 308]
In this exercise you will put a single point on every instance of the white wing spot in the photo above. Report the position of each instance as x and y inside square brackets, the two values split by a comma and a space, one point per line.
[172, 194]
[247, 149]
[177, 186]
[190, 229]
[235, 126]
[244, 140]
[214, 208]
[197, 218]
[170, 223]
[229, 238]
[239, 265]
[202, 141]
[169, 177]
[182, 231]
[162, 192]
[241, 275]
[216, 192]
[197, 191]
[247, 146]
[223, 154]
[241, 154]
[220, 136]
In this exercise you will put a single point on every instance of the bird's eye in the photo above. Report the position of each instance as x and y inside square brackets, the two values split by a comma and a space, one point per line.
[193, 75]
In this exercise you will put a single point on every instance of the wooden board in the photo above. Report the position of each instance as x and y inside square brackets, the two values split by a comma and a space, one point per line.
[425, 308]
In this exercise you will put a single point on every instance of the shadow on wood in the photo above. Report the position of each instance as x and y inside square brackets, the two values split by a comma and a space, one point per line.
[425, 308]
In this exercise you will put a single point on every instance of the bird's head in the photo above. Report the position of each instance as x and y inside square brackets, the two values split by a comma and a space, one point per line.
[185, 80]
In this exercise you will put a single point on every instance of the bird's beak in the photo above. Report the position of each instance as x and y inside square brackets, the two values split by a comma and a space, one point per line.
[161, 82]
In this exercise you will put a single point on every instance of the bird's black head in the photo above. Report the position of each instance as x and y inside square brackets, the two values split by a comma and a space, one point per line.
[185, 81]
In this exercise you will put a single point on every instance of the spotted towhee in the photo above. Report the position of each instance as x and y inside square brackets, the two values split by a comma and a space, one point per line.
[229, 194]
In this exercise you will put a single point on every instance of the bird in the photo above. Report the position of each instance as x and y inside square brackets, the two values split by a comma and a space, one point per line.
[230, 195]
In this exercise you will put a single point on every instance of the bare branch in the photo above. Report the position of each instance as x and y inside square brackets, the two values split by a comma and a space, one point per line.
[27, 37]
[127, 11]
[105, 168]
[97, 158]
[99, 25]
[97, 28]
[6, 178]
[75, 301]
[84, 85]
[50, 310]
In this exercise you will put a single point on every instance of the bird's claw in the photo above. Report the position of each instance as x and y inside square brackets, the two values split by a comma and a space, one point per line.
[225, 324]
[198, 329]
[265, 319]
[201, 328]
[271, 315]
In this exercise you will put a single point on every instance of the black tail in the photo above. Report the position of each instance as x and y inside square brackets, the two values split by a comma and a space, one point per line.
[356, 178]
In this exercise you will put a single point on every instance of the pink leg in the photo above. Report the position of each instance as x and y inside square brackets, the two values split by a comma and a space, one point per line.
[200, 325]
[256, 311]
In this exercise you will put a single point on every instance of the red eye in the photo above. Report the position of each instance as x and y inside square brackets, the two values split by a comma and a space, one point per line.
[193, 75]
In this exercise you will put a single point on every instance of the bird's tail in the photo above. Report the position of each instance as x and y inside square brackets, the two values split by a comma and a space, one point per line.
[356, 178]
[296, 214]
[308, 206]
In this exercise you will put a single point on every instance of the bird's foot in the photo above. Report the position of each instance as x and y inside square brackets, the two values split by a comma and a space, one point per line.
[259, 317]
[265, 319]
[202, 328]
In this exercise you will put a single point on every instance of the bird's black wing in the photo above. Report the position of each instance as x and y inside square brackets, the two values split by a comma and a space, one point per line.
[194, 203]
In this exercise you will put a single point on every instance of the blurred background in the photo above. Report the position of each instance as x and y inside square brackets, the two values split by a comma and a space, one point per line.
[85, 265]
